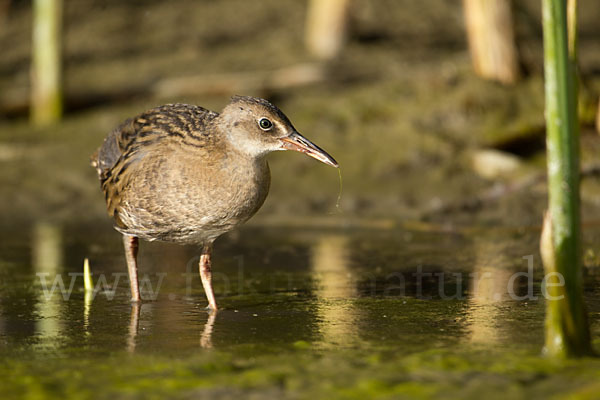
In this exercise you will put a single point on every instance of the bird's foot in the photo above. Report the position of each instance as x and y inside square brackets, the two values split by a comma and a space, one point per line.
[211, 308]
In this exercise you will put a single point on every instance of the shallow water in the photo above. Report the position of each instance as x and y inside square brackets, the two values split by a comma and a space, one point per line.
[309, 300]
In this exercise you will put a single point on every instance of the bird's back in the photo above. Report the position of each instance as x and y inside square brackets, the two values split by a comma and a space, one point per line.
[183, 121]
[124, 149]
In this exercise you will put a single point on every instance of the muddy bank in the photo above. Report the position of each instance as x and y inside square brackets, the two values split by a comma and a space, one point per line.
[400, 109]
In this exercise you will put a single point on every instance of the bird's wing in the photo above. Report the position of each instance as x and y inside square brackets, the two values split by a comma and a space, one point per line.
[175, 120]
[126, 145]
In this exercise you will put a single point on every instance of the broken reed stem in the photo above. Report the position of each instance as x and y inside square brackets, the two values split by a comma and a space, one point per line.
[567, 331]
[46, 66]
[491, 37]
[572, 29]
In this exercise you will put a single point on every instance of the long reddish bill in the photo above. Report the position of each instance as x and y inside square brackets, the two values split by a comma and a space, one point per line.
[297, 142]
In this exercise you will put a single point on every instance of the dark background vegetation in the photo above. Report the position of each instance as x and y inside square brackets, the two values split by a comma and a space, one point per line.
[400, 108]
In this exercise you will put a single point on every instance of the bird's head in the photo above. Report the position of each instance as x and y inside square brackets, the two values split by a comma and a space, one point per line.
[256, 127]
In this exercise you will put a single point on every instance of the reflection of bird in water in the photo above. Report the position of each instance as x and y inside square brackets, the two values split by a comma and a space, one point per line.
[134, 325]
[181, 173]
[206, 336]
[134, 322]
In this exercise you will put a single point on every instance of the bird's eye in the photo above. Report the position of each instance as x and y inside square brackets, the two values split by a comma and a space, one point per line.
[265, 124]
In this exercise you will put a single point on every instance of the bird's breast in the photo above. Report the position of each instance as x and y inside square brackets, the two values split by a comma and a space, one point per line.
[187, 201]
[229, 197]
[237, 193]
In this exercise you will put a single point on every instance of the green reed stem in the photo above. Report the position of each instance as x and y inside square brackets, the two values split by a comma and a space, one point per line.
[567, 331]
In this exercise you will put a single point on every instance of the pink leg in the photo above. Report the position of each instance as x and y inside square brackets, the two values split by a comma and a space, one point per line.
[131, 249]
[206, 276]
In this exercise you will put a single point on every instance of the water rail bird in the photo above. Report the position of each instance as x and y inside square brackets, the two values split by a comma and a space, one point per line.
[181, 173]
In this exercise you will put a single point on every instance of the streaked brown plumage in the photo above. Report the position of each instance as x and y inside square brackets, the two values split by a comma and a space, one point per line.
[181, 173]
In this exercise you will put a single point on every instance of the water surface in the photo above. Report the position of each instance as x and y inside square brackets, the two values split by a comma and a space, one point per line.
[386, 311]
